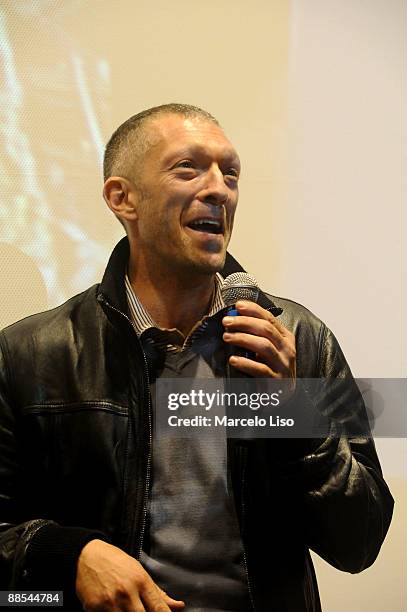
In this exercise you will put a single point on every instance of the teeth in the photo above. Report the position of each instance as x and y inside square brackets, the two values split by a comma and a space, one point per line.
[206, 222]
[212, 226]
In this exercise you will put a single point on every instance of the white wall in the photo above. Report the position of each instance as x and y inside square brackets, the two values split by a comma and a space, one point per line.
[342, 226]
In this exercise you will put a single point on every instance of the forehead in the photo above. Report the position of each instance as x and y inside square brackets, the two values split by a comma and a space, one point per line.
[173, 134]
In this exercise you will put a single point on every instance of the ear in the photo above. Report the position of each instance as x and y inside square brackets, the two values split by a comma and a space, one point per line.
[120, 197]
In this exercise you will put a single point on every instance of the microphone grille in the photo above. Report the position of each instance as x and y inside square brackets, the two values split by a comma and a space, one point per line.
[239, 286]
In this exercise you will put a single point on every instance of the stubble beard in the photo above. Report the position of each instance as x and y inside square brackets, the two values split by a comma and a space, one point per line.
[201, 263]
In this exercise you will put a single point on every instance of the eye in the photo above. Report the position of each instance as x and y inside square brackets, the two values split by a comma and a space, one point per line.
[186, 163]
[232, 172]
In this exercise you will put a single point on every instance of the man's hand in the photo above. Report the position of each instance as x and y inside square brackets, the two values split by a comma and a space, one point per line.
[258, 331]
[108, 579]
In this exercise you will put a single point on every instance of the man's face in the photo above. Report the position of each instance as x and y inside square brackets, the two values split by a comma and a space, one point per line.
[187, 195]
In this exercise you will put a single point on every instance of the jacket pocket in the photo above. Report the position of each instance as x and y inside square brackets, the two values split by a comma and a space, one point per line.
[73, 465]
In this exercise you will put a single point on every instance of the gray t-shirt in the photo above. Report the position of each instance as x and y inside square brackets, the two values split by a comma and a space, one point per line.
[193, 549]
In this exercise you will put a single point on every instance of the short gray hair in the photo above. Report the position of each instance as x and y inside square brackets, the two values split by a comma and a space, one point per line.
[131, 136]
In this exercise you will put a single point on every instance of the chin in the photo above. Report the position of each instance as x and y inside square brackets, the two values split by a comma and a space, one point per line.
[199, 262]
[210, 265]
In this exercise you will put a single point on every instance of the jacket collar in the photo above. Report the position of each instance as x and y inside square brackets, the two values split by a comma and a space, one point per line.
[231, 266]
[113, 288]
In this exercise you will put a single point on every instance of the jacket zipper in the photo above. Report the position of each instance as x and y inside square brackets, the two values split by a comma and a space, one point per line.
[243, 532]
[148, 467]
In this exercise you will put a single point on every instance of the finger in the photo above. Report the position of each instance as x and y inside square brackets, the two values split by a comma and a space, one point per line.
[255, 369]
[257, 327]
[137, 606]
[173, 603]
[279, 361]
[153, 599]
[264, 348]
[128, 604]
[252, 309]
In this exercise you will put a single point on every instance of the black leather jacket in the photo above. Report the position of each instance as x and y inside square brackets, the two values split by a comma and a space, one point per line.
[75, 452]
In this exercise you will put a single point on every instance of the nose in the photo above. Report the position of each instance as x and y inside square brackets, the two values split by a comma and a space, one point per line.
[214, 189]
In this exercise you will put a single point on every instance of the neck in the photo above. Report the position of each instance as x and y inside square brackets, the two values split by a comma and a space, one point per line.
[173, 301]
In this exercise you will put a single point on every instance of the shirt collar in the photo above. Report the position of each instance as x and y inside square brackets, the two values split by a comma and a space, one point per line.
[142, 319]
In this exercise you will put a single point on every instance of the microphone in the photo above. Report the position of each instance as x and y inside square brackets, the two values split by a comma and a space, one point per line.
[238, 286]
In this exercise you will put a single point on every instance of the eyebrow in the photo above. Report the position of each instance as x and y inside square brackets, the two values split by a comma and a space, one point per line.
[196, 149]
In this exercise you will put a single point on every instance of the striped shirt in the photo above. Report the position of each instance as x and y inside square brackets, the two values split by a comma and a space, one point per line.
[172, 339]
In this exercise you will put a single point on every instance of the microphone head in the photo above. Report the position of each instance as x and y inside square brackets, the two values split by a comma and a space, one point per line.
[239, 286]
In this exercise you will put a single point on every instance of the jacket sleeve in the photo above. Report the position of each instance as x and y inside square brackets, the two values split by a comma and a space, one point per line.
[347, 506]
[34, 552]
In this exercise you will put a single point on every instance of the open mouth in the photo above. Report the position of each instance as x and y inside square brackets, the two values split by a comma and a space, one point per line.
[207, 226]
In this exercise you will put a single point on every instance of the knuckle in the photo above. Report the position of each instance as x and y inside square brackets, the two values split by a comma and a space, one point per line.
[141, 581]
[122, 591]
[292, 353]
[268, 328]
[104, 601]
[291, 337]
[263, 370]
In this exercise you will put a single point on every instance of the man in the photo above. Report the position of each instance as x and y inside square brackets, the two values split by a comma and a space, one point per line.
[91, 501]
